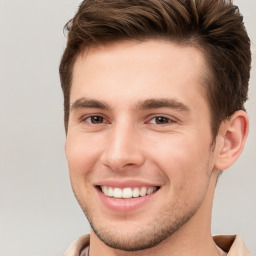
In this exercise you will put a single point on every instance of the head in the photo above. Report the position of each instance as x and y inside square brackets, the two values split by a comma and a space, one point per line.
[148, 87]
[214, 27]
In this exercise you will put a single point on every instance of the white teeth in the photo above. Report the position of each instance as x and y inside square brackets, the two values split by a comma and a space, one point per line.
[104, 190]
[135, 192]
[150, 190]
[118, 193]
[127, 192]
[143, 191]
[110, 191]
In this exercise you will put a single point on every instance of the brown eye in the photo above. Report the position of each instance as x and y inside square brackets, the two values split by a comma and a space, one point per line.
[160, 120]
[95, 119]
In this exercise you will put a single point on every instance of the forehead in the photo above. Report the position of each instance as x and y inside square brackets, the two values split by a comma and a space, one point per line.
[134, 69]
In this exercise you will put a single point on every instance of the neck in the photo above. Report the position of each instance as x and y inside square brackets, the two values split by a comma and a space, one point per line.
[193, 238]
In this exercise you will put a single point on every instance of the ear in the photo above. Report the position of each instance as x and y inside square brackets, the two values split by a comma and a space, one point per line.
[231, 139]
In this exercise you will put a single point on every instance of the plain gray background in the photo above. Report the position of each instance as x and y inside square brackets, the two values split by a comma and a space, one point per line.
[38, 213]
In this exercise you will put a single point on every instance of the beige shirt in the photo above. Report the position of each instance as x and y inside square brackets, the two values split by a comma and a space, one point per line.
[232, 245]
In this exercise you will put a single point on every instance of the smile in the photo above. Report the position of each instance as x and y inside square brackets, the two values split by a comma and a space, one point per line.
[127, 193]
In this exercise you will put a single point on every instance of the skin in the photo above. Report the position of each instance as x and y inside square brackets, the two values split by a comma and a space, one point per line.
[118, 132]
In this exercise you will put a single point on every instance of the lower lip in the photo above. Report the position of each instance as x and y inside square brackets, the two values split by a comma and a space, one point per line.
[124, 205]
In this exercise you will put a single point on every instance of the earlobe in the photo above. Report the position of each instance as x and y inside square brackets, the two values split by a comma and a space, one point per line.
[233, 133]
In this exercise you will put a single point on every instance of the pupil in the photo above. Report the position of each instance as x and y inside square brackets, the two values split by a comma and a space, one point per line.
[96, 119]
[161, 120]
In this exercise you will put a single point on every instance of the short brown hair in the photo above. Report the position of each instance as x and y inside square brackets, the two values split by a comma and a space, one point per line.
[214, 26]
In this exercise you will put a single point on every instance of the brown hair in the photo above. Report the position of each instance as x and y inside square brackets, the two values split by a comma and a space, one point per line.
[214, 26]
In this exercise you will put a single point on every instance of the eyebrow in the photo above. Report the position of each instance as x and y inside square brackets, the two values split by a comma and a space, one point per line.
[163, 103]
[88, 103]
[144, 105]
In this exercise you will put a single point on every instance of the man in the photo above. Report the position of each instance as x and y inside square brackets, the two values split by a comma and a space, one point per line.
[154, 96]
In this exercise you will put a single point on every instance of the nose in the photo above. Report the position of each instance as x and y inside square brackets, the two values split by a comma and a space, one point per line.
[123, 148]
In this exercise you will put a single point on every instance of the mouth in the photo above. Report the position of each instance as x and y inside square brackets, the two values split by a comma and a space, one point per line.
[127, 192]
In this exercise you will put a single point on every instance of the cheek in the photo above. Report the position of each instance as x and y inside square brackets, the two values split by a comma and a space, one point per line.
[81, 155]
[184, 160]
[188, 177]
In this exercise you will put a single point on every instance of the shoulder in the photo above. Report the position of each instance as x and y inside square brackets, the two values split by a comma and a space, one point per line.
[77, 246]
[234, 245]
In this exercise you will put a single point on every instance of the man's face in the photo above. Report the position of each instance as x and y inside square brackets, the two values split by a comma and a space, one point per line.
[139, 140]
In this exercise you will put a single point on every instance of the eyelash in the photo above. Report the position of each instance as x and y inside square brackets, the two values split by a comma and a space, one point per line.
[94, 116]
[161, 118]
[101, 120]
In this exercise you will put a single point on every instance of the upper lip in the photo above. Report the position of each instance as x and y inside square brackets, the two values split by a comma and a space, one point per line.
[125, 183]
